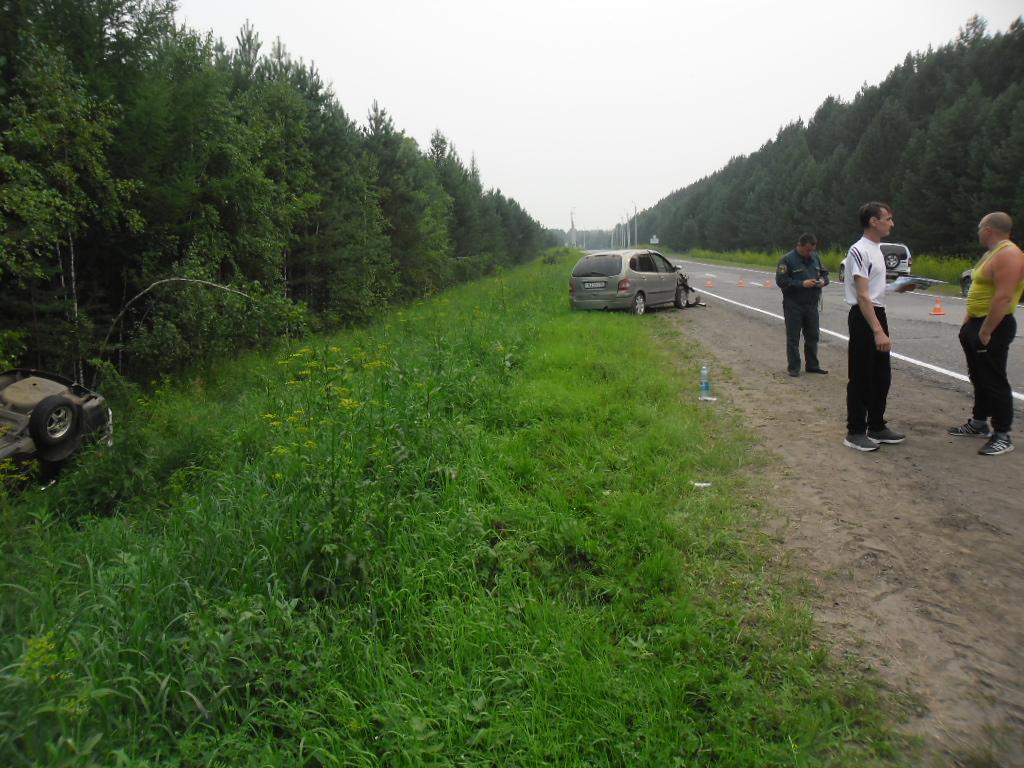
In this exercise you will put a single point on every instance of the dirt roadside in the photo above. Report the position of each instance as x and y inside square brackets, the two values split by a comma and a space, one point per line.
[916, 551]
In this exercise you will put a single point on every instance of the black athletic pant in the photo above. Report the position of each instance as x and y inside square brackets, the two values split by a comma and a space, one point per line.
[801, 317]
[869, 375]
[987, 369]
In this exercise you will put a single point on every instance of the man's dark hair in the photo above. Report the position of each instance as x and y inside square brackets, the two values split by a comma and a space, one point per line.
[872, 210]
[807, 239]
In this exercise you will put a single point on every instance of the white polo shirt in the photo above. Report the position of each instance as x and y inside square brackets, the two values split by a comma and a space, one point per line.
[865, 259]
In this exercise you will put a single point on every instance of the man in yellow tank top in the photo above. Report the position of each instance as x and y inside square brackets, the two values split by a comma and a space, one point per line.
[989, 328]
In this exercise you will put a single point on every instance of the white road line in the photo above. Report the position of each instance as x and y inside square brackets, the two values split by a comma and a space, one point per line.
[922, 294]
[904, 358]
[744, 269]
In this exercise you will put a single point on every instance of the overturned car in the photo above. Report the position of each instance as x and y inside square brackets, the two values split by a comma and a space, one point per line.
[46, 417]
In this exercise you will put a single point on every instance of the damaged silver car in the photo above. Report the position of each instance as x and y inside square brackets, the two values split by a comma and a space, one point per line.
[46, 417]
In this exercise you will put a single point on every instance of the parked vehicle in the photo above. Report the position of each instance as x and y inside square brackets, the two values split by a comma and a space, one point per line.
[46, 417]
[630, 279]
[897, 262]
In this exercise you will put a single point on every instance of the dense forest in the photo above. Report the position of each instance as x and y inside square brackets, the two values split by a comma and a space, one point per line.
[941, 138]
[166, 200]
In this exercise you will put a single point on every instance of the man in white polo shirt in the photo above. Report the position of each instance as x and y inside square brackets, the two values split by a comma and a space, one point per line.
[868, 350]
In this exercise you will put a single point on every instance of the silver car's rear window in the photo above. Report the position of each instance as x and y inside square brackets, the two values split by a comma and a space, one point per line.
[598, 266]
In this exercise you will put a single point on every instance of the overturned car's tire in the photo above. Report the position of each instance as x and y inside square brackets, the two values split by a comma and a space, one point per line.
[54, 422]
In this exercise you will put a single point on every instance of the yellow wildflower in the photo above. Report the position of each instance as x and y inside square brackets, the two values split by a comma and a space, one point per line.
[42, 660]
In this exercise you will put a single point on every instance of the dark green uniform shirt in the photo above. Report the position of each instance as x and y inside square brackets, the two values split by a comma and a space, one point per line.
[792, 272]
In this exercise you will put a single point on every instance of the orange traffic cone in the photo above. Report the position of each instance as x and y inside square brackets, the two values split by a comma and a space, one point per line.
[710, 283]
[937, 309]
[742, 283]
[768, 283]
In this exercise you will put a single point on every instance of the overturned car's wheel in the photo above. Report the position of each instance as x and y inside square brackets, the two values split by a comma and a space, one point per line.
[55, 421]
[639, 304]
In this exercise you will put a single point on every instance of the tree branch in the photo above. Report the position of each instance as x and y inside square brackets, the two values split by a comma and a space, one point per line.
[142, 293]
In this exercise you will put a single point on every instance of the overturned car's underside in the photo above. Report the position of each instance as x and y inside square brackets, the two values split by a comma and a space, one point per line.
[45, 417]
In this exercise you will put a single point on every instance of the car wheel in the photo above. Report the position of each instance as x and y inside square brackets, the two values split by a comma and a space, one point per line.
[54, 422]
[639, 304]
[842, 273]
[965, 286]
[680, 300]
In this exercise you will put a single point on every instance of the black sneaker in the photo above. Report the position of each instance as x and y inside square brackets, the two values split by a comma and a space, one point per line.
[886, 436]
[999, 443]
[860, 443]
[969, 430]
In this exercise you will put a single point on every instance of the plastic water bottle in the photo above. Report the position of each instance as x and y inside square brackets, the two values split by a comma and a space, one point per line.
[705, 383]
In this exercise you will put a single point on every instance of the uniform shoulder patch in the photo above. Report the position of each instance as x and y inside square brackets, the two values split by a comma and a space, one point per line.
[782, 268]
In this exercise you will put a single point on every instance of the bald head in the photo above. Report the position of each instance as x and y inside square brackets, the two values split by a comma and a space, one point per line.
[998, 222]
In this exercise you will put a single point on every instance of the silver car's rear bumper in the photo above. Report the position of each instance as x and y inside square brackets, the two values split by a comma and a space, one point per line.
[602, 302]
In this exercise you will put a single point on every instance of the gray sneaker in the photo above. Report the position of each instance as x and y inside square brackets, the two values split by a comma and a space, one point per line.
[999, 443]
[860, 443]
[970, 430]
[886, 436]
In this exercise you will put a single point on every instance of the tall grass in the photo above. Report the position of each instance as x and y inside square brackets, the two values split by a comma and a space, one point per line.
[466, 536]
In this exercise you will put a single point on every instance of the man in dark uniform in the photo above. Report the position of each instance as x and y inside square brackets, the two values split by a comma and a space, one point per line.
[801, 278]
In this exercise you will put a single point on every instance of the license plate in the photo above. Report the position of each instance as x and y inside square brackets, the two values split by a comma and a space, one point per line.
[593, 285]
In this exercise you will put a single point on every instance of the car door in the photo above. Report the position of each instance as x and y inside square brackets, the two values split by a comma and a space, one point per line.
[667, 278]
[648, 274]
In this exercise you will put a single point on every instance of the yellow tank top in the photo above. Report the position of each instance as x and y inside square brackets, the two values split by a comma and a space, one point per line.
[983, 289]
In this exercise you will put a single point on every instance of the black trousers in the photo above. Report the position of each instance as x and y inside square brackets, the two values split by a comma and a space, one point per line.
[987, 368]
[869, 375]
[801, 318]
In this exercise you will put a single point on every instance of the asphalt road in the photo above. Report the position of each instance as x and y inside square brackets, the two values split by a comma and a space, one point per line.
[924, 344]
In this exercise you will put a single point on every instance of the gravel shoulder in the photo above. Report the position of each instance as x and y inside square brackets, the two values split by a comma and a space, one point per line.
[914, 551]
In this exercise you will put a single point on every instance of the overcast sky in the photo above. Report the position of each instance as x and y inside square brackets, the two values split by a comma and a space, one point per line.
[594, 106]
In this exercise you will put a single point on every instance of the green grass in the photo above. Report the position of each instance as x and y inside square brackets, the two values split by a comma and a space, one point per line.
[465, 536]
[935, 267]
